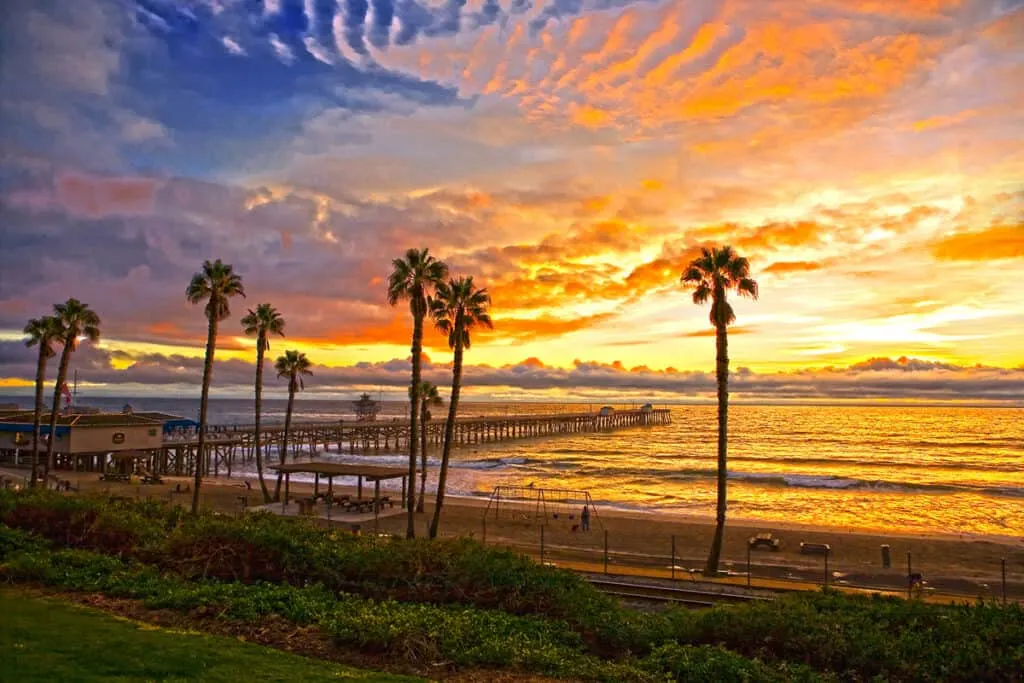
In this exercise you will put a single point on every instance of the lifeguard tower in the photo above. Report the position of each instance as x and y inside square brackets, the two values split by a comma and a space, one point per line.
[366, 409]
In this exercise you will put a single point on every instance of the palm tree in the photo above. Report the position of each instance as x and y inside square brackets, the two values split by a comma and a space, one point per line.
[457, 308]
[74, 320]
[215, 284]
[262, 321]
[292, 365]
[429, 396]
[44, 332]
[711, 276]
[413, 278]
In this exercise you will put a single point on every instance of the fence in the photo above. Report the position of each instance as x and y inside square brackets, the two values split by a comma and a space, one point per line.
[1000, 578]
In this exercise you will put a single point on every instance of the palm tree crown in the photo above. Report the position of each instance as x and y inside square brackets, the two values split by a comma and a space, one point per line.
[411, 278]
[76, 320]
[458, 307]
[430, 396]
[714, 273]
[293, 365]
[217, 283]
[263, 321]
[44, 332]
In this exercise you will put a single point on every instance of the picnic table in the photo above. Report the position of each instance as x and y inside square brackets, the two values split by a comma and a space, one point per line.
[815, 548]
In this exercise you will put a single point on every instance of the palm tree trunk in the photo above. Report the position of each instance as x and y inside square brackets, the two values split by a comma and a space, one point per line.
[417, 347]
[421, 504]
[38, 413]
[211, 347]
[287, 429]
[62, 375]
[260, 343]
[449, 433]
[722, 375]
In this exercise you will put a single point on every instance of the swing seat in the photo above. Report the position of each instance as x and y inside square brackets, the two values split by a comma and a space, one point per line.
[555, 515]
[572, 517]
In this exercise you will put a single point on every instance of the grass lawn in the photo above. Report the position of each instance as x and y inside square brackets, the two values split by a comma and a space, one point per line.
[45, 639]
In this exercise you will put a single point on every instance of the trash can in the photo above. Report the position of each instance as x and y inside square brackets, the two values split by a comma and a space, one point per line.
[886, 557]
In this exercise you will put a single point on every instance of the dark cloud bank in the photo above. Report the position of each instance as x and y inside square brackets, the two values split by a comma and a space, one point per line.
[880, 378]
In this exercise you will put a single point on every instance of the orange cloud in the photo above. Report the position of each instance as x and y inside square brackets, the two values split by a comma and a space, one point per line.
[783, 267]
[541, 327]
[590, 117]
[944, 121]
[997, 242]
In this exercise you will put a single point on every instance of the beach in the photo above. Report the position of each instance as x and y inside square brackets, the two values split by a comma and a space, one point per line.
[641, 543]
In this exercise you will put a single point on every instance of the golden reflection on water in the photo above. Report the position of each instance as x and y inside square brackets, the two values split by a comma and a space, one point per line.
[912, 469]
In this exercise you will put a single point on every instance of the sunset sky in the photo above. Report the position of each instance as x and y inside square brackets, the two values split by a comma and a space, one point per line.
[572, 155]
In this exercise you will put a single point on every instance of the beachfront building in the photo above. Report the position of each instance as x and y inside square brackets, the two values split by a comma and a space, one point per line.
[85, 441]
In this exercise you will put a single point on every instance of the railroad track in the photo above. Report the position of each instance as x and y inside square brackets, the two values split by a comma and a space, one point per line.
[688, 597]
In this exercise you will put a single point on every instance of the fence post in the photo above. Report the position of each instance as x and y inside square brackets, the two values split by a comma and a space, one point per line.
[673, 557]
[910, 584]
[826, 570]
[542, 544]
[748, 565]
[605, 551]
[1003, 563]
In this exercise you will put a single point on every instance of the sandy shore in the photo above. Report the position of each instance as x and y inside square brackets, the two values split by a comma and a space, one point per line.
[643, 542]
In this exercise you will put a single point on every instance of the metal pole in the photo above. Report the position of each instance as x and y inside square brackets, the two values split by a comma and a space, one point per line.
[826, 571]
[542, 544]
[605, 551]
[1003, 563]
[673, 557]
[909, 583]
[748, 565]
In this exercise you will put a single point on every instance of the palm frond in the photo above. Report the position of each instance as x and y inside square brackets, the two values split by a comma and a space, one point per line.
[747, 287]
[701, 294]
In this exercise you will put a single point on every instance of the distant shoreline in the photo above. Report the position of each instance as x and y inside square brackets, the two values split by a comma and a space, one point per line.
[25, 401]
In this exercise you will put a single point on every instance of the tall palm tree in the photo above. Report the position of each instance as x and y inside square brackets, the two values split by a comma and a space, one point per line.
[293, 365]
[262, 321]
[215, 284]
[457, 308]
[429, 396]
[412, 279]
[75, 320]
[43, 332]
[711, 276]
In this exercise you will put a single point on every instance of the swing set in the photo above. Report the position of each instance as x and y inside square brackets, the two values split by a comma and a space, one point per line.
[535, 504]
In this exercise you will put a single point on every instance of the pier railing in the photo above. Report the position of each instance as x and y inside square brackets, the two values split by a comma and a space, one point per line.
[227, 445]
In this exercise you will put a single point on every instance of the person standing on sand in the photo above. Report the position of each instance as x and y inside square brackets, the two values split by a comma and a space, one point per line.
[585, 518]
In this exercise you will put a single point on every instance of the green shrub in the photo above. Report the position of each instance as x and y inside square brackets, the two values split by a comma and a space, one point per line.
[855, 638]
[16, 541]
[865, 637]
[705, 663]
[417, 633]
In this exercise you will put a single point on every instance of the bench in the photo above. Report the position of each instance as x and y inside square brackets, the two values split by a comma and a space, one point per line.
[815, 548]
[764, 540]
[115, 476]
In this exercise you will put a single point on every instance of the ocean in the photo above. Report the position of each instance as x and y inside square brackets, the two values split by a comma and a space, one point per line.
[911, 469]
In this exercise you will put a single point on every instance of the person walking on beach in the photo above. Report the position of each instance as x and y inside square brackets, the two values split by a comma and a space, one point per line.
[585, 518]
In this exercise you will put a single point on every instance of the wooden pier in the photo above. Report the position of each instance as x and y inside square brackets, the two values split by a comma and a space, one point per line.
[227, 446]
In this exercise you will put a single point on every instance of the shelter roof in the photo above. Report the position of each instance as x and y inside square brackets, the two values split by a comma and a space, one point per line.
[339, 469]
